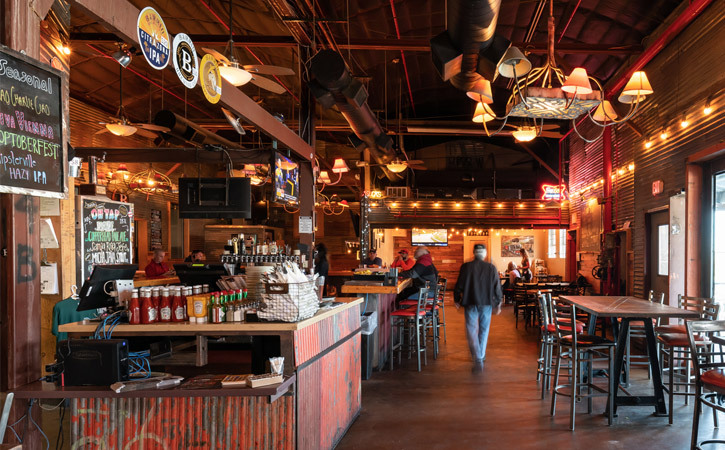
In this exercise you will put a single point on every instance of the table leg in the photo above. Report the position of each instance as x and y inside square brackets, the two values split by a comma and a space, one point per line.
[592, 325]
[654, 363]
[619, 359]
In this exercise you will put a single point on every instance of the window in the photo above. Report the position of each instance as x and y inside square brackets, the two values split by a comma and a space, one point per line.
[663, 235]
[562, 243]
[552, 244]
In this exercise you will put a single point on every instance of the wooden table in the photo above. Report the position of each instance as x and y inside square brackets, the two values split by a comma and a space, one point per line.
[631, 309]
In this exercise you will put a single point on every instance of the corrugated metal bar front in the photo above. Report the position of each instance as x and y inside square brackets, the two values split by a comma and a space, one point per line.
[183, 422]
[316, 338]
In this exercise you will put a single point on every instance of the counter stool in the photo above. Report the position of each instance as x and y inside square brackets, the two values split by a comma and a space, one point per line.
[442, 285]
[409, 321]
[582, 348]
[676, 350]
[709, 363]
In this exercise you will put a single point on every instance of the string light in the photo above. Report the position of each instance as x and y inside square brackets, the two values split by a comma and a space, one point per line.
[684, 122]
[663, 134]
[708, 106]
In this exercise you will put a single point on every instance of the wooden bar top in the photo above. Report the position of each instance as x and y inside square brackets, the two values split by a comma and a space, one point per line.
[211, 329]
[42, 389]
[374, 287]
[626, 307]
[143, 281]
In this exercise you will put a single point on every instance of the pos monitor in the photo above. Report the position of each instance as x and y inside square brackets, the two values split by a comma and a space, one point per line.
[200, 273]
[94, 293]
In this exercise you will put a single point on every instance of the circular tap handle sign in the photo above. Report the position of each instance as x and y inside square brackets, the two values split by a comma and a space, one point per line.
[211, 80]
[186, 63]
[154, 38]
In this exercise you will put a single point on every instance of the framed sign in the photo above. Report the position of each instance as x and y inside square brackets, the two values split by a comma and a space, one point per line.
[105, 231]
[32, 133]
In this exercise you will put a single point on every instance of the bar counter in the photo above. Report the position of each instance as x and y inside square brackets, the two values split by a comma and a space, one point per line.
[322, 358]
[144, 281]
[381, 299]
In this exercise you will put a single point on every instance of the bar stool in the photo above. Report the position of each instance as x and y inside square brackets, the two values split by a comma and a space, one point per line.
[709, 362]
[409, 321]
[637, 330]
[676, 349]
[441, 296]
[581, 348]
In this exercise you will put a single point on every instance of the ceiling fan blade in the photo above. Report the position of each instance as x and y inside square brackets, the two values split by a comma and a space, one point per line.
[101, 131]
[266, 83]
[221, 58]
[146, 133]
[551, 134]
[151, 127]
[268, 70]
[414, 161]
[417, 167]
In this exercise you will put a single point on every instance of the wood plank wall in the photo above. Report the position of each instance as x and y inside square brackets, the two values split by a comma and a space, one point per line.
[683, 75]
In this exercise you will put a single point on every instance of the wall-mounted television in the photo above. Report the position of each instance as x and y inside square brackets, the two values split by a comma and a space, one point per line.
[212, 198]
[286, 180]
[437, 237]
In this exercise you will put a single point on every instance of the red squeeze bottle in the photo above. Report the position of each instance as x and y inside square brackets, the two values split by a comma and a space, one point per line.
[165, 307]
[148, 312]
[134, 310]
[156, 301]
[178, 306]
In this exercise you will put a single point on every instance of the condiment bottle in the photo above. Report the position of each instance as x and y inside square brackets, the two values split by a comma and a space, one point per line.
[210, 307]
[204, 288]
[178, 306]
[165, 306]
[148, 311]
[134, 309]
[200, 313]
[190, 311]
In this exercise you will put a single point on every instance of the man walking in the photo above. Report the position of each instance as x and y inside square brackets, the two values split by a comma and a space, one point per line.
[478, 290]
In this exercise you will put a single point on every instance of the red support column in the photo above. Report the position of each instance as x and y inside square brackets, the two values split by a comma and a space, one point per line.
[607, 286]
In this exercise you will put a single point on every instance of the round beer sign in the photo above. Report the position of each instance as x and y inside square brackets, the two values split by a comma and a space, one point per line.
[186, 63]
[154, 38]
[211, 80]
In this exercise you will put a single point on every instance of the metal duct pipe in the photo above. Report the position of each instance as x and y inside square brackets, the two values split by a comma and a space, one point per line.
[185, 131]
[471, 30]
[333, 85]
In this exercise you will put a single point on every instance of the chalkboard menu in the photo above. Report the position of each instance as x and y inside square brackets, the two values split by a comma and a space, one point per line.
[32, 140]
[105, 230]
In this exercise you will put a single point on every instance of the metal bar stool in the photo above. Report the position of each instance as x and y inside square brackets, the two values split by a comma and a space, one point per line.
[409, 321]
[582, 348]
[442, 285]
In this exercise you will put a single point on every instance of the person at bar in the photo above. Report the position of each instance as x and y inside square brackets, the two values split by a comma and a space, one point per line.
[422, 271]
[403, 260]
[372, 260]
[195, 256]
[322, 264]
[157, 268]
[478, 290]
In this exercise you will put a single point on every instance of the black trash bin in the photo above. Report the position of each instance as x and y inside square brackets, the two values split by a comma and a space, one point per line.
[369, 324]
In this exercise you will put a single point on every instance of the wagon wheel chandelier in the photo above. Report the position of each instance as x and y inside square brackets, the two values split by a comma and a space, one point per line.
[546, 93]
[149, 182]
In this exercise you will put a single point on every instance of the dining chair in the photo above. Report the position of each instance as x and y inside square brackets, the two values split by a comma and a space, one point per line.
[581, 348]
[706, 346]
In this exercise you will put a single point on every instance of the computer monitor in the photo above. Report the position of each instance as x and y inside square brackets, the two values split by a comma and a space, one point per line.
[200, 273]
[94, 292]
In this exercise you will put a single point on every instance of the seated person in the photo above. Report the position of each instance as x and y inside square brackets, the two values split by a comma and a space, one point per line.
[372, 260]
[157, 268]
[512, 273]
[422, 271]
[195, 256]
[403, 261]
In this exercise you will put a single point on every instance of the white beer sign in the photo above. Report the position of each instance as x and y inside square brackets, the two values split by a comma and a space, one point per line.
[186, 63]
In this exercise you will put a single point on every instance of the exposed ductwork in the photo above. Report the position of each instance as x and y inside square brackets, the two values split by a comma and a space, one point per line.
[460, 53]
[333, 85]
[183, 131]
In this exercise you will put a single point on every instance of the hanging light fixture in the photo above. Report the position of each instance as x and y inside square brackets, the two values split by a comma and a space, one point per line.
[396, 166]
[121, 129]
[524, 133]
[483, 113]
[122, 56]
[340, 166]
[149, 182]
[324, 177]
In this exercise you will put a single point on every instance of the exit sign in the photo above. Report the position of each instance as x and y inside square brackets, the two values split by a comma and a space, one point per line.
[658, 187]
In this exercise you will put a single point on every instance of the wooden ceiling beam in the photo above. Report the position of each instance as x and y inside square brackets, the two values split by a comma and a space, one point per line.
[173, 155]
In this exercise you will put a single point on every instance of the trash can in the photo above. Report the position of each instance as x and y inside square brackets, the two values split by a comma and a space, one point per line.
[368, 323]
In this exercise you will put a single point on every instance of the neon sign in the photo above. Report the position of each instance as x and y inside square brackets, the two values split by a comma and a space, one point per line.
[553, 192]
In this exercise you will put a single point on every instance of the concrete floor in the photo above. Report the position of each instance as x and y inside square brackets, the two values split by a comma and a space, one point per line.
[446, 406]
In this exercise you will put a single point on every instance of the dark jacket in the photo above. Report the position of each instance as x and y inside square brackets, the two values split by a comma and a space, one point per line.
[478, 284]
[422, 271]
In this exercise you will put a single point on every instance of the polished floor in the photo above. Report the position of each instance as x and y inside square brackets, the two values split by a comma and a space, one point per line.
[448, 407]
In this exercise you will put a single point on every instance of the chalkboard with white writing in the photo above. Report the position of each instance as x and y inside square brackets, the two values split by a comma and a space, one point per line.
[105, 229]
[32, 137]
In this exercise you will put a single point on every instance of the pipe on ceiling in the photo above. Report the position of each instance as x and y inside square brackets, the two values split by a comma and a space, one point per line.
[333, 85]
[182, 131]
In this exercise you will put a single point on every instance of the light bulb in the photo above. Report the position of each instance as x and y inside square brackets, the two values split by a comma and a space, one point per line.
[707, 109]
[663, 134]
[648, 144]
[684, 122]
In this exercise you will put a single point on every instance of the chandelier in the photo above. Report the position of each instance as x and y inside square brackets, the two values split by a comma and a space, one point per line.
[149, 182]
[331, 206]
[546, 93]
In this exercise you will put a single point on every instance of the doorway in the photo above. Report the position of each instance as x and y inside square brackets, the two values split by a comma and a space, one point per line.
[470, 241]
[658, 253]
[717, 273]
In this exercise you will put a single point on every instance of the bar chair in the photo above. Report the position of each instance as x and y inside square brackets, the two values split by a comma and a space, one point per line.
[432, 315]
[636, 330]
[676, 350]
[581, 348]
[705, 344]
[410, 321]
[442, 285]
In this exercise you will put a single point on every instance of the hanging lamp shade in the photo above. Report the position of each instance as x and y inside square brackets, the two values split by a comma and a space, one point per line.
[344, 204]
[637, 86]
[483, 113]
[524, 134]
[340, 166]
[514, 62]
[234, 74]
[577, 83]
[604, 112]
[121, 129]
[396, 166]
[481, 92]
[324, 177]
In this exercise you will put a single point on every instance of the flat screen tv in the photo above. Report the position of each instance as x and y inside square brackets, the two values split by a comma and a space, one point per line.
[212, 198]
[286, 180]
[437, 237]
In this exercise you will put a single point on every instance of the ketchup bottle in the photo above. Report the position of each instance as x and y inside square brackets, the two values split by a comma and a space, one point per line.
[156, 301]
[148, 311]
[134, 309]
[178, 306]
[165, 307]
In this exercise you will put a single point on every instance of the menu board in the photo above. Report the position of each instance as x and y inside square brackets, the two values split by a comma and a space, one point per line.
[32, 140]
[105, 230]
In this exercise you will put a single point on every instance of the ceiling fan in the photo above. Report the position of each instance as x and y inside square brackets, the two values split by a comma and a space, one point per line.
[397, 165]
[121, 126]
[238, 74]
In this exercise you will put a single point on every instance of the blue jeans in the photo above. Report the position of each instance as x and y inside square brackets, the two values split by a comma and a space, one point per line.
[478, 319]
